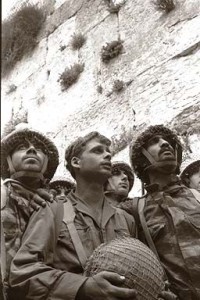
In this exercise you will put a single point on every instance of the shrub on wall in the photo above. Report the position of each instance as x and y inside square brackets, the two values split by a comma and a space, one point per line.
[70, 75]
[111, 50]
[166, 5]
[118, 86]
[78, 40]
[19, 35]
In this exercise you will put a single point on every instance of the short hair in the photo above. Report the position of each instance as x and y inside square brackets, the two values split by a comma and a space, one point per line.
[78, 146]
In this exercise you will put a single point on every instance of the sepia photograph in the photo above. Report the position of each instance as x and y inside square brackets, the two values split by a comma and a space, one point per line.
[100, 150]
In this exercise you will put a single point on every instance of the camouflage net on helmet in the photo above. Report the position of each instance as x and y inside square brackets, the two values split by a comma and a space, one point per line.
[12, 140]
[130, 258]
[139, 161]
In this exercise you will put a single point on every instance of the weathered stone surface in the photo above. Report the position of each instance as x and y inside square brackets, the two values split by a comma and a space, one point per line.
[159, 66]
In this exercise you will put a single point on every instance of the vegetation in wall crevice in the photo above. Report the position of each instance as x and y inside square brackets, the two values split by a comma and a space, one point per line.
[70, 75]
[78, 40]
[111, 50]
[19, 35]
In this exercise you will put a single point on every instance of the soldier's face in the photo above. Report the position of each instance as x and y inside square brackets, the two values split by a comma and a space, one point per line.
[118, 182]
[28, 156]
[95, 159]
[160, 149]
[195, 181]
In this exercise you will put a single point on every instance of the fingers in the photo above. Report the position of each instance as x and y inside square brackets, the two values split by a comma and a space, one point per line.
[107, 281]
[33, 206]
[167, 295]
[112, 277]
[46, 196]
[37, 201]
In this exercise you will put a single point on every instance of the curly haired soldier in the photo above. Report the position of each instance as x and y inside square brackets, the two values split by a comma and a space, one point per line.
[169, 213]
[28, 161]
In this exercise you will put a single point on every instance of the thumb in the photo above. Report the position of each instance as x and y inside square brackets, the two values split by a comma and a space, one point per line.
[113, 278]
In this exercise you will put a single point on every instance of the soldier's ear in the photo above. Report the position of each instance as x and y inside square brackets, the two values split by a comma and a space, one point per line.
[75, 162]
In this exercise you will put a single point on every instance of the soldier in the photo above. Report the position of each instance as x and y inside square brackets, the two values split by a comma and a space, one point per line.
[191, 175]
[62, 187]
[169, 213]
[28, 161]
[50, 262]
[120, 183]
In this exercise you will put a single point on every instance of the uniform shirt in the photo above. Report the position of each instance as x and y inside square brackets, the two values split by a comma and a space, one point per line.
[173, 219]
[47, 266]
[15, 214]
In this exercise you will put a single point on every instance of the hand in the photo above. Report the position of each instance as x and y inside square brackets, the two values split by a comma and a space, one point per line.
[103, 286]
[167, 295]
[40, 198]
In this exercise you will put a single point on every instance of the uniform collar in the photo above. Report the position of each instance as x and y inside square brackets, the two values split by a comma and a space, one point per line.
[81, 206]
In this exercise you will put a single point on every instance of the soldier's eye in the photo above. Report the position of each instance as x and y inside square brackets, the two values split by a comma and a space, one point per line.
[115, 172]
[21, 147]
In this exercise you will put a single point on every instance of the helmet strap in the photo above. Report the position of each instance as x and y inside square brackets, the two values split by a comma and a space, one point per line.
[15, 175]
[159, 164]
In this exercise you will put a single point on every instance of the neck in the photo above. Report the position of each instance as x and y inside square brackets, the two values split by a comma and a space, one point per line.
[160, 178]
[32, 183]
[114, 198]
[90, 192]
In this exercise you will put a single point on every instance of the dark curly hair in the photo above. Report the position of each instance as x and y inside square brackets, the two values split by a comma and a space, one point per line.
[139, 161]
[78, 146]
[190, 170]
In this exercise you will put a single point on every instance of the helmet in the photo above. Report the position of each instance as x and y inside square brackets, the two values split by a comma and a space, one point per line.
[10, 142]
[132, 259]
[189, 171]
[127, 169]
[57, 182]
[138, 159]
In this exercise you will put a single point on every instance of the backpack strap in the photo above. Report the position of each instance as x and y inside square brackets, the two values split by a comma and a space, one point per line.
[69, 216]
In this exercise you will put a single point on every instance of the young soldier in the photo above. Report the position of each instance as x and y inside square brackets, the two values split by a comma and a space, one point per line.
[191, 176]
[119, 184]
[51, 259]
[169, 212]
[28, 160]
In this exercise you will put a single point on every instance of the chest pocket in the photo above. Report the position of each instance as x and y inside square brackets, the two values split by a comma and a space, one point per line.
[121, 226]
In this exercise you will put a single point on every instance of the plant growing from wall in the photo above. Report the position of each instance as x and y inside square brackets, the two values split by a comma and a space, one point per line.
[78, 40]
[11, 89]
[111, 50]
[100, 89]
[166, 5]
[114, 7]
[70, 75]
[118, 86]
[19, 35]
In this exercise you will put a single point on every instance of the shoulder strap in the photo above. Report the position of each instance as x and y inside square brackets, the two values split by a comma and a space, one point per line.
[141, 204]
[135, 209]
[69, 216]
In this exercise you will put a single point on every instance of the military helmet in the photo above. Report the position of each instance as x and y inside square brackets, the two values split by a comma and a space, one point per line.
[127, 169]
[17, 136]
[61, 181]
[140, 162]
[189, 171]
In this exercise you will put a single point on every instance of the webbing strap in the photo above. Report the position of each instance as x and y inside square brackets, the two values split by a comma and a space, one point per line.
[69, 216]
[141, 204]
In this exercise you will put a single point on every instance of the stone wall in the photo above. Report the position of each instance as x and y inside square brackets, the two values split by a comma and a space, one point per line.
[159, 66]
